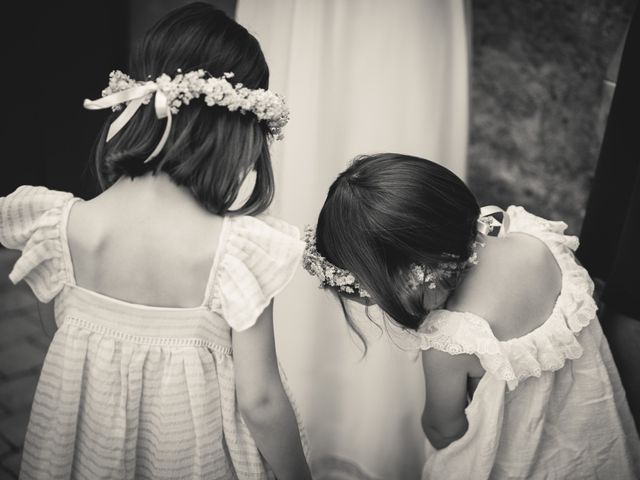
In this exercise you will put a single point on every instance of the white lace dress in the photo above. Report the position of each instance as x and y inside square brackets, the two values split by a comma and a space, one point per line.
[132, 391]
[550, 405]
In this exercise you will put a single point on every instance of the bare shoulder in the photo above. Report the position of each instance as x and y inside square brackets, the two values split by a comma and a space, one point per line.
[529, 252]
[83, 226]
[533, 268]
[514, 287]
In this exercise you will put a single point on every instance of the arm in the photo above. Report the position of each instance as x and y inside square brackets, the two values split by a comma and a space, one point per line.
[443, 418]
[262, 401]
[47, 316]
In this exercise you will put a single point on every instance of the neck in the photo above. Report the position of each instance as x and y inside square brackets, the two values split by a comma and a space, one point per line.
[488, 255]
[154, 189]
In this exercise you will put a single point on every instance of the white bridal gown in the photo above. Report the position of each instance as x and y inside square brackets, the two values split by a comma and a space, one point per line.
[359, 76]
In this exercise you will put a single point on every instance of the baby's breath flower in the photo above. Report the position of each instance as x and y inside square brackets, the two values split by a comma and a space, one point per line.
[417, 276]
[328, 274]
[180, 90]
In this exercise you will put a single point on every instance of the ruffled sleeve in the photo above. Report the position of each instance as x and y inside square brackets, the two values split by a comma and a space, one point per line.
[30, 221]
[545, 349]
[458, 333]
[258, 256]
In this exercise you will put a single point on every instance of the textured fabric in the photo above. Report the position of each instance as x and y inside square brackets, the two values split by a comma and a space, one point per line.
[29, 221]
[550, 404]
[255, 264]
[132, 391]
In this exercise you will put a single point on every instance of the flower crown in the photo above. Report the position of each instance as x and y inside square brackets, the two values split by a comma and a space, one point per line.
[329, 275]
[172, 93]
[418, 275]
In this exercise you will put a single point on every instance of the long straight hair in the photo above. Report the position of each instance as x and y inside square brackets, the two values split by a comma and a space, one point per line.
[210, 150]
[389, 211]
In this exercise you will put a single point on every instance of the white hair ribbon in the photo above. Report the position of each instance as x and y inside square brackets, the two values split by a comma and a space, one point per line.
[487, 222]
[135, 96]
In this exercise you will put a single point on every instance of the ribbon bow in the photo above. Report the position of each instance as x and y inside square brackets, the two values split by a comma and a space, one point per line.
[135, 97]
[486, 222]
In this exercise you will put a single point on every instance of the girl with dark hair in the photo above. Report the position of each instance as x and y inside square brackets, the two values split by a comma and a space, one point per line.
[164, 364]
[519, 378]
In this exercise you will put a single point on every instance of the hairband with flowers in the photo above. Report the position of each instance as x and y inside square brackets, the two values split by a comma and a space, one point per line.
[329, 275]
[172, 93]
[344, 281]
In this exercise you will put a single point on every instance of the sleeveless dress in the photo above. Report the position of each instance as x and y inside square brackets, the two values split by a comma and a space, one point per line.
[132, 391]
[550, 405]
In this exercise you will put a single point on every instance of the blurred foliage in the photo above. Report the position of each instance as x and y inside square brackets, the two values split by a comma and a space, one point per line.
[537, 93]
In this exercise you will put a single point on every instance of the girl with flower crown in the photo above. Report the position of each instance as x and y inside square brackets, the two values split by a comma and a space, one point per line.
[519, 378]
[163, 364]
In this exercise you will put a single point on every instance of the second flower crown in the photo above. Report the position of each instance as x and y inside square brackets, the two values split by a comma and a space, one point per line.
[341, 280]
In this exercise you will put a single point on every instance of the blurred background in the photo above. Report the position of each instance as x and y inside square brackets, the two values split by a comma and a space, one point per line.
[511, 95]
[541, 85]
[536, 107]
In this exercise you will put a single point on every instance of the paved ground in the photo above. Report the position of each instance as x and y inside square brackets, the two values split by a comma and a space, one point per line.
[23, 344]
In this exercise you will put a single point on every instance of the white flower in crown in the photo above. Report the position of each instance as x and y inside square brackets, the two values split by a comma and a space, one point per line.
[118, 82]
[328, 273]
[180, 90]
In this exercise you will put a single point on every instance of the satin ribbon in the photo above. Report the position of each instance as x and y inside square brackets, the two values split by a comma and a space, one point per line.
[135, 96]
[486, 222]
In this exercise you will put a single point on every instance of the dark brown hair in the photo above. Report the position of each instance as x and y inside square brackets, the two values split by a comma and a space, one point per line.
[210, 150]
[389, 211]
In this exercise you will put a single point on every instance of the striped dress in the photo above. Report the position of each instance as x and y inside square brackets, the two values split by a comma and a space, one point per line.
[132, 391]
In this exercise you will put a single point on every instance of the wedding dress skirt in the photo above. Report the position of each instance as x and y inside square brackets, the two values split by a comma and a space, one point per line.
[359, 76]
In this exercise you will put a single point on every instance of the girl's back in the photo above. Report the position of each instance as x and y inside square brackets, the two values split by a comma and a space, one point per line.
[519, 378]
[136, 390]
[163, 364]
[144, 241]
[514, 286]
[547, 401]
